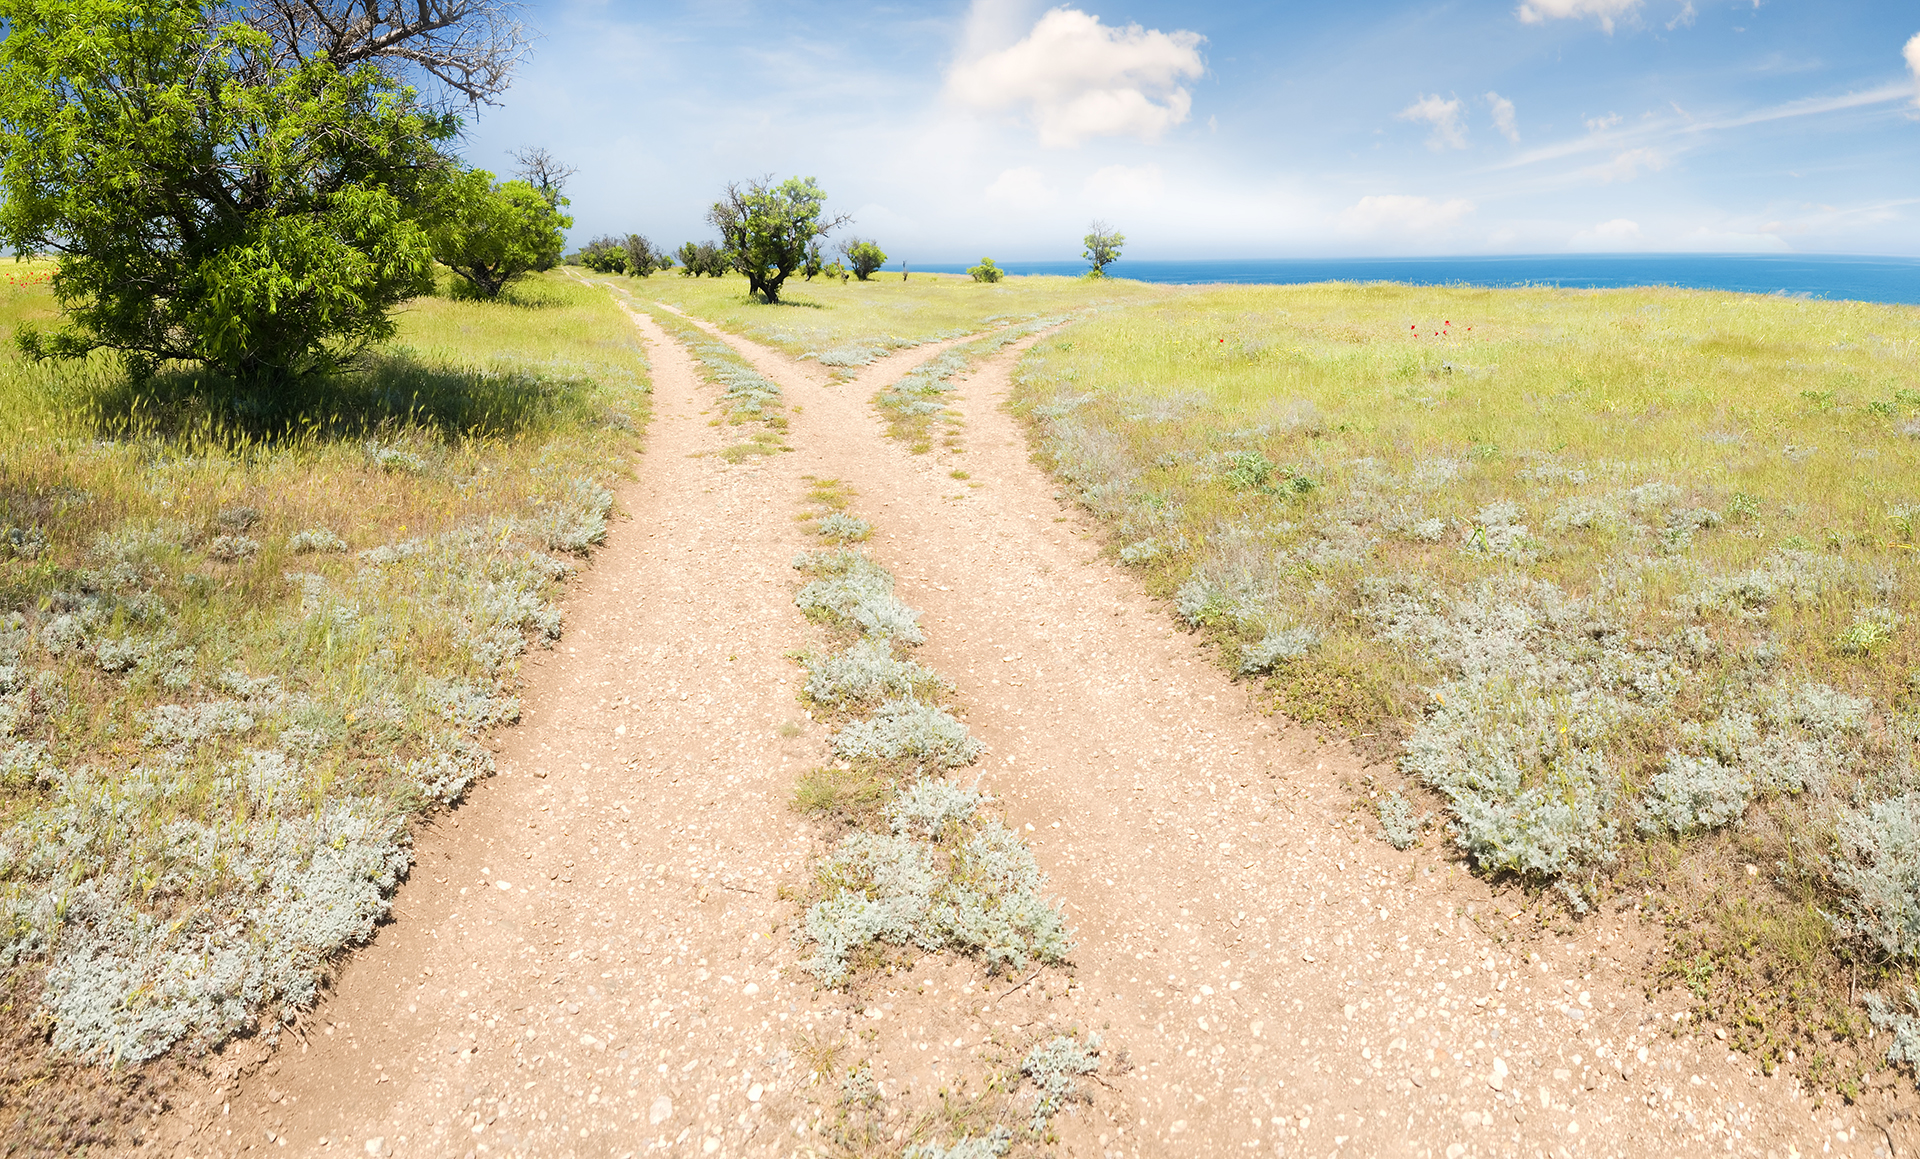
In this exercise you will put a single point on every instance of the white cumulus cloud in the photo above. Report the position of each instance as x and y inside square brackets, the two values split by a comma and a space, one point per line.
[1541, 11]
[1399, 213]
[1913, 64]
[1503, 118]
[1443, 115]
[1618, 234]
[1079, 78]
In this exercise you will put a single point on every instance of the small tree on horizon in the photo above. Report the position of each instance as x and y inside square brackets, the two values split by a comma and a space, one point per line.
[698, 258]
[767, 229]
[986, 271]
[490, 234]
[1103, 246]
[863, 257]
[602, 255]
[641, 258]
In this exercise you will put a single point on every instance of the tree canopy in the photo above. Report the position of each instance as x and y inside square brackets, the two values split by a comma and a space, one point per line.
[1103, 246]
[208, 202]
[491, 233]
[766, 229]
[863, 256]
[702, 258]
[986, 271]
[465, 51]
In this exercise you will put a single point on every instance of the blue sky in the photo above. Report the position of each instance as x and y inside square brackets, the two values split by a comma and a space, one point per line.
[952, 130]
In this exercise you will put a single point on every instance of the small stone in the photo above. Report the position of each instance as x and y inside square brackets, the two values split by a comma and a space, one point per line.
[503, 885]
[660, 1111]
[376, 1145]
[754, 1092]
[751, 988]
[710, 1146]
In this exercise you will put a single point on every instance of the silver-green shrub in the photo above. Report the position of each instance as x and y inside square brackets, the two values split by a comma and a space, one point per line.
[124, 982]
[221, 917]
[232, 548]
[991, 1145]
[1694, 793]
[855, 593]
[395, 459]
[1397, 822]
[1274, 648]
[1877, 863]
[909, 730]
[1054, 1067]
[1902, 1026]
[931, 809]
[746, 393]
[838, 527]
[315, 539]
[865, 674]
[945, 877]
[575, 519]
[942, 875]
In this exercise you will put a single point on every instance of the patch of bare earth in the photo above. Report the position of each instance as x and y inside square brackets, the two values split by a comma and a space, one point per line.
[598, 959]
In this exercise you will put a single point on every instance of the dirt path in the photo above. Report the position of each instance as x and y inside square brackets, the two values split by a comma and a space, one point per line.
[597, 960]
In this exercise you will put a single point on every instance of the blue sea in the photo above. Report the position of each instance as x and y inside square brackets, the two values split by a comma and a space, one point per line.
[1867, 279]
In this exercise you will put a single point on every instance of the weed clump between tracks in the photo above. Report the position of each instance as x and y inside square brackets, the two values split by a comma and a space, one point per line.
[926, 867]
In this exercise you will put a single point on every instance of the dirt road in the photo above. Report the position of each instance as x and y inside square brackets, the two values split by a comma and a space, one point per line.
[597, 958]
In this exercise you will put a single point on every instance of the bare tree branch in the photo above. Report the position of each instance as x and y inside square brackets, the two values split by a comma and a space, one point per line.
[465, 49]
[542, 170]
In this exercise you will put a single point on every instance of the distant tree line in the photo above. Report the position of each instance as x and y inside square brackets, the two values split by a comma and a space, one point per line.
[633, 255]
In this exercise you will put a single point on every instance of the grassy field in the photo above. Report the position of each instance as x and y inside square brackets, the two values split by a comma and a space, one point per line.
[1623, 585]
[847, 325]
[240, 662]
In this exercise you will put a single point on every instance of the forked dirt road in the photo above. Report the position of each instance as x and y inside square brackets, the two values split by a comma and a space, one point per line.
[598, 960]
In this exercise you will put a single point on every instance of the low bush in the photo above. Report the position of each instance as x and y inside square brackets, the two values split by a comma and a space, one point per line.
[907, 731]
[865, 674]
[970, 885]
[1054, 1067]
[855, 594]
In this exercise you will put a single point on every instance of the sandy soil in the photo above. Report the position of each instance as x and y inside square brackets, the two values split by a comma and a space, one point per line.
[596, 958]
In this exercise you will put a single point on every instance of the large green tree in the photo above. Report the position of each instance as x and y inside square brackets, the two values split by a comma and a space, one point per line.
[767, 230]
[211, 199]
[491, 233]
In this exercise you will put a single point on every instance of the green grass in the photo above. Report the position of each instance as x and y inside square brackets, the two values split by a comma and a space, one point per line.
[236, 727]
[1604, 573]
[847, 325]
